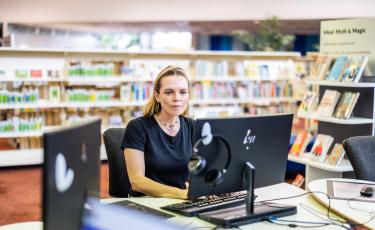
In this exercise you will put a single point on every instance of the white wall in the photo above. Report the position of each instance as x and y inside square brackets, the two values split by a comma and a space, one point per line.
[172, 10]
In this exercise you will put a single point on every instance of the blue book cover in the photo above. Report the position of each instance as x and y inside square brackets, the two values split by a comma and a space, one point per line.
[338, 68]
[355, 69]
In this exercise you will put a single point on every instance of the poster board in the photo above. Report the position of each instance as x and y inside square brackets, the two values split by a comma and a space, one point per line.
[349, 37]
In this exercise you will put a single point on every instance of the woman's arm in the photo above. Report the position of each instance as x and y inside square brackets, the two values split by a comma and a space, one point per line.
[135, 164]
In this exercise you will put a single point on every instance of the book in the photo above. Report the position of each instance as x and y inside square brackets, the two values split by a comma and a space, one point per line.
[125, 92]
[336, 155]
[309, 103]
[252, 70]
[321, 146]
[328, 103]
[54, 93]
[355, 69]
[298, 180]
[264, 72]
[302, 140]
[338, 68]
[320, 67]
[346, 105]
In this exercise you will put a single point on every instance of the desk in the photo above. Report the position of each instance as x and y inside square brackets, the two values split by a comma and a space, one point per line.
[269, 192]
[341, 206]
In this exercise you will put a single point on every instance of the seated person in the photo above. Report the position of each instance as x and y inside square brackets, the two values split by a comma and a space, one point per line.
[158, 145]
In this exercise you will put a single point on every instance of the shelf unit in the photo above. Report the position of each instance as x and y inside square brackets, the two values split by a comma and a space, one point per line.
[361, 123]
[59, 59]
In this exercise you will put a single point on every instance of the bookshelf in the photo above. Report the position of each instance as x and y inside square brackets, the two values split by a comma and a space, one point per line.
[103, 83]
[360, 123]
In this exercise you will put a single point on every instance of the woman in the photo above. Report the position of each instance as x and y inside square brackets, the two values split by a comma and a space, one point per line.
[158, 146]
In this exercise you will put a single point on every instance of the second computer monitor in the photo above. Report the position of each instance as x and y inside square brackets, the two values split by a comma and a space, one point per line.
[71, 171]
[261, 140]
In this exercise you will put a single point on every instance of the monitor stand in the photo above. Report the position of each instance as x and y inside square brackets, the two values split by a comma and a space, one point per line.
[248, 213]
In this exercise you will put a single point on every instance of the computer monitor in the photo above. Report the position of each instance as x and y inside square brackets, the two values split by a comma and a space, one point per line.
[71, 171]
[261, 140]
[235, 154]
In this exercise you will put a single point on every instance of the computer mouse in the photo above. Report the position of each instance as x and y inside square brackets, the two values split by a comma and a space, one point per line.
[367, 191]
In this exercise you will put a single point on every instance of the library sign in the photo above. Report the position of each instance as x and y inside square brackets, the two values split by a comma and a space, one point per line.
[349, 37]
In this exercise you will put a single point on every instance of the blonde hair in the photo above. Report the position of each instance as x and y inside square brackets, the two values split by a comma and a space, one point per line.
[153, 106]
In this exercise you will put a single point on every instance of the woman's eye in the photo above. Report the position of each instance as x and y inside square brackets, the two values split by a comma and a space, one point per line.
[168, 93]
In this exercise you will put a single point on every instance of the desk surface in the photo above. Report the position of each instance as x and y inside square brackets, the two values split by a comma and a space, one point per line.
[270, 192]
[359, 212]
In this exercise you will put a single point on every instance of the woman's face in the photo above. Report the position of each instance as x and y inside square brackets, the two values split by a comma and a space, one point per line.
[173, 94]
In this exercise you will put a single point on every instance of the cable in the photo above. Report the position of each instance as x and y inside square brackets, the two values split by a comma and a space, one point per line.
[316, 212]
[352, 224]
[312, 192]
[292, 223]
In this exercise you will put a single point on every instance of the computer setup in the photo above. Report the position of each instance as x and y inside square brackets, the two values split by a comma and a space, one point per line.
[226, 153]
[71, 172]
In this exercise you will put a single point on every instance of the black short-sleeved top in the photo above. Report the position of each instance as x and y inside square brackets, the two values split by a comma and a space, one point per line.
[166, 157]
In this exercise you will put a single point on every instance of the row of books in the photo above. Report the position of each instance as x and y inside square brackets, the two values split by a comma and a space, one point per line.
[25, 95]
[342, 68]
[271, 109]
[17, 124]
[230, 111]
[80, 95]
[30, 73]
[333, 103]
[25, 143]
[319, 150]
[150, 68]
[251, 69]
[241, 90]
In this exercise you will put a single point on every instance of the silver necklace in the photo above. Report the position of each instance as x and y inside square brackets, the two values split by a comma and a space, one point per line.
[171, 128]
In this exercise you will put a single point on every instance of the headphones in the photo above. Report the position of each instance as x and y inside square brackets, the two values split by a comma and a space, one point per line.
[197, 164]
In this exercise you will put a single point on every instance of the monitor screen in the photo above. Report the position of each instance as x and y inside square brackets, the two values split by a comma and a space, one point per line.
[71, 171]
[99, 216]
[261, 140]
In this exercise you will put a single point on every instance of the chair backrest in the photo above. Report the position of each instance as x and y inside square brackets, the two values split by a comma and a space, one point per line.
[361, 153]
[119, 185]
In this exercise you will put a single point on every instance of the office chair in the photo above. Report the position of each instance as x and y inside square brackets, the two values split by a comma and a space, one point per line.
[119, 185]
[361, 153]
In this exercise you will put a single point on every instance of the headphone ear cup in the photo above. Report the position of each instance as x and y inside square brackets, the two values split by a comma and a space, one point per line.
[196, 164]
[214, 177]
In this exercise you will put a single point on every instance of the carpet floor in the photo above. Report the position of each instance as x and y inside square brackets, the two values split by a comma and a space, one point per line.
[20, 193]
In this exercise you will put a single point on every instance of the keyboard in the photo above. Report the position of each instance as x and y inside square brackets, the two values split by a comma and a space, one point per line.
[143, 209]
[207, 203]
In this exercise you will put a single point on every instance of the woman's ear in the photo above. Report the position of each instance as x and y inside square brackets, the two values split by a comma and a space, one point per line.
[157, 96]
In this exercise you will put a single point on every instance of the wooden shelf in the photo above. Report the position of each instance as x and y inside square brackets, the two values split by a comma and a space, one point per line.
[345, 167]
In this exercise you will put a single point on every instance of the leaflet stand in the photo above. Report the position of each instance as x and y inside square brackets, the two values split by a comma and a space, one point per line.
[248, 213]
